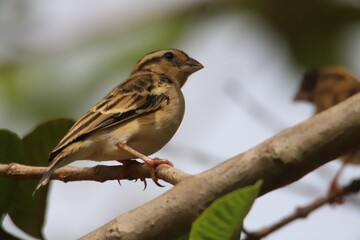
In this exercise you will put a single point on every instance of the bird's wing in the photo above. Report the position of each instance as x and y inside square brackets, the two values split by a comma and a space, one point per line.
[138, 95]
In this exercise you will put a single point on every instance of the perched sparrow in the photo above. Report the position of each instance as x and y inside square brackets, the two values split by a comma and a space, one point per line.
[137, 118]
[326, 87]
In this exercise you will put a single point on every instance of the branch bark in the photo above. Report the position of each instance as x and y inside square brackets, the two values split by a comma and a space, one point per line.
[303, 212]
[279, 161]
[99, 173]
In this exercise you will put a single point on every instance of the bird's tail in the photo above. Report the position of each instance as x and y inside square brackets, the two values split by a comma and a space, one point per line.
[46, 177]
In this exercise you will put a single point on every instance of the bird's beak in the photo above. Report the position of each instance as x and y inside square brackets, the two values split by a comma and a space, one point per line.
[300, 96]
[192, 66]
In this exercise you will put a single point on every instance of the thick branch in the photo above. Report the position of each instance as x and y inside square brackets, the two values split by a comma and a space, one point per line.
[303, 212]
[100, 173]
[279, 161]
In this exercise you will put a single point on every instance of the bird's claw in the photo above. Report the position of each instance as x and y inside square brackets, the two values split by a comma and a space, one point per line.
[153, 164]
[157, 161]
[145, 183]
[155, 179]
[333, 189]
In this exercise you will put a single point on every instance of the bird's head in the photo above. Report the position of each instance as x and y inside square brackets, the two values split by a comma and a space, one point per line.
[308, 85]
[173, 63]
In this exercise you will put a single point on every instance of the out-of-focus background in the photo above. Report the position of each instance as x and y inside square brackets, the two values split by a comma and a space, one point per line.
[59, 57]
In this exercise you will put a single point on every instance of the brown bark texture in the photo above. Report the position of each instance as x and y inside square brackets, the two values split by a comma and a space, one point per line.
[280, 160]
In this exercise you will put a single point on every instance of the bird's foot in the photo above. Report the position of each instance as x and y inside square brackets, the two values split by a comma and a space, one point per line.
[152, 164]
[333, 189]
[126, 164]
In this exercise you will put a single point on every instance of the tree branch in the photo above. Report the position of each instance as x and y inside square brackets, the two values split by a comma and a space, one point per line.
[99, 173]
[279, 161]
[303, 212]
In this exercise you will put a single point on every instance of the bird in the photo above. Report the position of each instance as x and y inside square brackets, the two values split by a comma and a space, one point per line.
[325, 87]
[135, 119]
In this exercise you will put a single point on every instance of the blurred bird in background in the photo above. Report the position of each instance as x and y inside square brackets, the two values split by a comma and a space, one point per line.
[326, 87]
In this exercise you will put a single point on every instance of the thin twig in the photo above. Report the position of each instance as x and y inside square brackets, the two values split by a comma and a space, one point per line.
[99, 173]
[303, 212]
[237, 93]
[279, 161]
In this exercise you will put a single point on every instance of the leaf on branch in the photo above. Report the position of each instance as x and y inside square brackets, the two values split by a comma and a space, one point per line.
[25, 211]
[5, 235]
[223, 219]
[10, 151]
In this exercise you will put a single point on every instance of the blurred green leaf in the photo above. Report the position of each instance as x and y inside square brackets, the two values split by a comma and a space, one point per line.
[108, 59]
[5, 236]
[223, 219]
[40, 141]
[312, 28]
[10, 151]
[184, 237]
[27, 212]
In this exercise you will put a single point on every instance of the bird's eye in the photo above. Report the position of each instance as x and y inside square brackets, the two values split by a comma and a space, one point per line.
[169, 55]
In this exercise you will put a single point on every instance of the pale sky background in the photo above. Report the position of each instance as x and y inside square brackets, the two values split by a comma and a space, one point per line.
[247, 67]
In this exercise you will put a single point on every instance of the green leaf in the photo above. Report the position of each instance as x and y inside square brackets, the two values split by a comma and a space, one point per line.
[10, 151]
[223, 219]
[184, 237]
[314, 40]
[27, 211]
[38, 143]
[7, 236]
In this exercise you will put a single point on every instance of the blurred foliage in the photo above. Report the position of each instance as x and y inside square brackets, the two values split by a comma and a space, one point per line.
[49, 84]
[103, 60]
[5, 235]
[312, 28]
[27, 211]
[224, 218]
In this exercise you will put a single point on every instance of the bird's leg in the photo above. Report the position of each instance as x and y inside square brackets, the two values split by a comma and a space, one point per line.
[333, 188]
[150, 163]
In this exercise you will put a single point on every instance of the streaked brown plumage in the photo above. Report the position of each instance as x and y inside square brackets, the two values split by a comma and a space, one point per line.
[326, 87]
[141, 114]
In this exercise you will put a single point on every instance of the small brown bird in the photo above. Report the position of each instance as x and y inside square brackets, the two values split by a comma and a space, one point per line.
[136, 119]
[326, 87]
